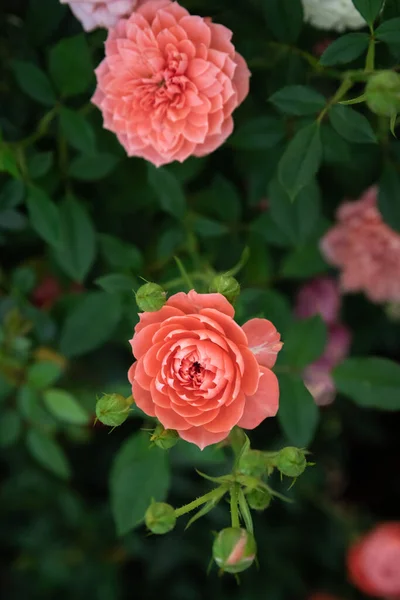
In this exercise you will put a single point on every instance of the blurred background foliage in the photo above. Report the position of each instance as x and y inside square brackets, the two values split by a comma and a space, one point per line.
[80, 224]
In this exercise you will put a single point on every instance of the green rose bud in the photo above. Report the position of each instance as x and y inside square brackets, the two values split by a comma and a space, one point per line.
[258, 499]
[253, 463]
[227, 286]
[113, 409]
[150, 297]
[291, 461]
[234, 549]
[160, 517]
[383, 93]
[164, 438]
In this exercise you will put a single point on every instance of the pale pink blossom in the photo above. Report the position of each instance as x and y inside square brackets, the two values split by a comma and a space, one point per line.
[365, 249]
[199, 372]
[319, 296]
[169, 83]
[101, 13]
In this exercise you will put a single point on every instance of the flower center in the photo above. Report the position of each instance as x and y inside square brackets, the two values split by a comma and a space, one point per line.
[191, 372]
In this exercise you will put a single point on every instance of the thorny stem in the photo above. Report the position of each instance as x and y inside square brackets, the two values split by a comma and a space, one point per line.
[234, 506]
[341, 91]
[199, 501]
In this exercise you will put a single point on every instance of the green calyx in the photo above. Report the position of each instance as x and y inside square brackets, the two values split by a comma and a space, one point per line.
[160, 518]
[164, 438]
[150, 297]
[113, 409]
[382, 93]
[291, 461]
[226, 285]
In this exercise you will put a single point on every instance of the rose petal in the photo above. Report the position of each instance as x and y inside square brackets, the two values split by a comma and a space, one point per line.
[264, 341]
[264, 403]
[201, 437]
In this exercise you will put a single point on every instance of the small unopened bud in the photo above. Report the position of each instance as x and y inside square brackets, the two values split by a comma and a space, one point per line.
[164, 438]
[253, 463]
[258, 499]
[382, 93]
[227, 286]
[113, 409]
[291, 461]
[234, 549]
[160, 517]
[150, 297]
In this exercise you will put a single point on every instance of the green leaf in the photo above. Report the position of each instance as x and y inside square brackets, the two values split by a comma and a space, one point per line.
[389, 197]
[120, 254]
[298, 100]
[77, 131]
[115, 283]
[90, 324]
[301, 160]
[12, 220]
[62, 405]
[369, 9]
[388, 32]
[267, 304]
[70, 65]
[139, 475]
[10, 428]
[226, 199]
[168, 190]
[304, 342]
[92, 167]
[8, 162]
[39, 164]
[304, 262]
[345, 49]
[259, 133]
[44, 216]
[336, 149]
[77, 251]
[34, 82]
[12, 194]
[284, 18]
[23, 279]
[391, 9]
[42, 374]
[170, 241]
[48, 453]
[205, 227]
[370, 382]
[298, 414]
[295, 220]
[351, 125]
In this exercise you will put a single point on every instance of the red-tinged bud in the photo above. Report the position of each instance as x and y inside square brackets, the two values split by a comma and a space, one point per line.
[234, 549]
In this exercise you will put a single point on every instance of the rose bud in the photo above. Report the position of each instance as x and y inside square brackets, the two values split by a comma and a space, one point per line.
[227, 286]
[164, 438]
[234, 549]
[160, 518]
[113, 409]
[258, 499]
[150, 297]
[291, 461]
[382, 93]
[253, 463]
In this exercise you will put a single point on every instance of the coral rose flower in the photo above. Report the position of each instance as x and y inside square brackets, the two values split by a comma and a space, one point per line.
[101, 13]
[199, 372]
[319, 296]
[365, 249]
[169, 83]
[374, 562]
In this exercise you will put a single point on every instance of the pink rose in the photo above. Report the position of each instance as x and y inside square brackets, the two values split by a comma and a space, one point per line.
[365, 249]
[101, 13]
[319, 296]
[169, 83]
[374, 562]
[199, 372]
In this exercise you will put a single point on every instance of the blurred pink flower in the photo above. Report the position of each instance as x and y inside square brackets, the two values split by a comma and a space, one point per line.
[365, 249]
[317, 376]
[319, 296]
[169, 83]
[101, 13]
[374, 561]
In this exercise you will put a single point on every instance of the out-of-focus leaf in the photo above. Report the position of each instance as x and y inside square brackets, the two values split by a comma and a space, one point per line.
[138, 475]
[44, 216]
[77, 131]
[298, 100]
[34, 82]
[48, 453]
[345, 49]
[71, 66]
[168, 191]
[62, 405]
[298, 414]
[92, 167]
